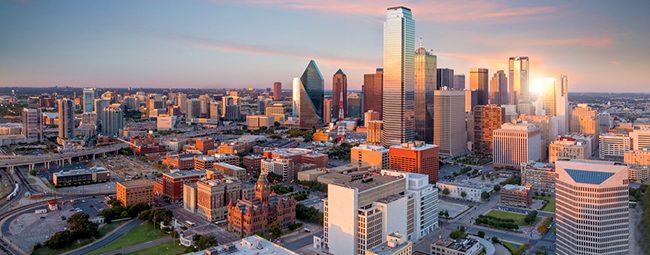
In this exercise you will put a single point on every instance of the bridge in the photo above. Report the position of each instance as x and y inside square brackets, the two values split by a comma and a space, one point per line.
[59, 158]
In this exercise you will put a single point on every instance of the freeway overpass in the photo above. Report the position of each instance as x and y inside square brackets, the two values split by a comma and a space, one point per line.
[58, 158]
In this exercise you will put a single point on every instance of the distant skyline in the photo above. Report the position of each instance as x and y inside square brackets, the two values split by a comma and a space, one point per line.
[600, 45]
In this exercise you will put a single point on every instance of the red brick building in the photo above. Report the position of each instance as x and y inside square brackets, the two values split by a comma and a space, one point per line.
[172, 183]
[252, 163]
[179, 161]
[247, 217]
[204, 144]
[415, 157]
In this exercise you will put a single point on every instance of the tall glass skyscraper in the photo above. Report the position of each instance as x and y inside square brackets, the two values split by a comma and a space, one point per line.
[339, 95]
[66, 118]
[425, 85]
[518, 79]
[398, 92]
[88, 99]
[311, 88]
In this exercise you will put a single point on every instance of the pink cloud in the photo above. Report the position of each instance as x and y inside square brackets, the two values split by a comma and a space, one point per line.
[615, 62]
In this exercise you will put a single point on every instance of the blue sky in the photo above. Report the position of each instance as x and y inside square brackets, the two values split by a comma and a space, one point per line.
[252, 43]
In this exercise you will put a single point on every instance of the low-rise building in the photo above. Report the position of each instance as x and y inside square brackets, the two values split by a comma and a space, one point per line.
[516, 195]
[80, 176]
[172, 183]
[462, 246]
[396, 244]
[246, 246]
[540, 176]
[456, 190]
[279, 166]
[255, 122]
[613, 146]
[213, 197]
[202, 162]
[230, 170]
[639, 173]
[639, 157]
[179, 161]
[189, 197]
[252, 163]
[134, 192]
[567, 148]
[370, 155]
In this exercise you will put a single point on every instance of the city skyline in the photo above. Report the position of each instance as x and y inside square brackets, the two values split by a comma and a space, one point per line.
[134, 44]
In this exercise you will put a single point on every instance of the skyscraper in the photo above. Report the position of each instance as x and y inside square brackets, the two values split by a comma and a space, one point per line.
[584, 120]
[295, 97]
[230, 108]
[445, 78]
[88, 99]
[549, 96]
[415, 157]
[66, 118]
[449, 129]
[478, 80]
[518, 79]
[373, 89]
[32, 125]
[112, 121]
[181, 102]
[514, 144]
[499, 88]
[459, 82]
[399, 57]
[562, 107]
[311, 88]
[487, 118]
[592, 212]
[327, 110]
[277, 91]
[193, 108]
[354, 105]
[425, 84]
[339, 95]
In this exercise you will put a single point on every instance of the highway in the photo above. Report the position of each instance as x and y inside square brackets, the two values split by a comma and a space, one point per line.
[53, 157]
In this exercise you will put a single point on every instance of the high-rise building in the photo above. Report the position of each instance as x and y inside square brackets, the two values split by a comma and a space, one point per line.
[415, 157]
[193, 109]
[230, 108]
[375, 131]
[369, 155]
[88, 99]
[425, 85]
[327, 110]
[640, 139]
[549, 97]
[592, 207]
[547, 126]
[66, 118]
[339, 95]
[310, 88]
[373, 89]
[584, 120]
[32, 125]
[487, 118]
[478, 80]
[112, 119]
[354, 105]
[181, 102]
[398, 90]
[154, 102]
[517, 143]
[499, 88]
[213, 196]
[277, 91]
[214, 110]
[370, 116]
[445, 78]
[612, 146]
[562, 105]
[518, 80]
[205, 105]
[449, 129]
[459, 82]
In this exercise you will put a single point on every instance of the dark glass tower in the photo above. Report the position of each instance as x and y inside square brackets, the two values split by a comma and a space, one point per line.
[311, 97]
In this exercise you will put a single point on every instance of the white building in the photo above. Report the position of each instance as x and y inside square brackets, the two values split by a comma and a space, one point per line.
[640, 139]
[280, 166]
[612, 146]
[592, 207]
[246, 246]
[165, 122]
[472, 190]
[515, 144]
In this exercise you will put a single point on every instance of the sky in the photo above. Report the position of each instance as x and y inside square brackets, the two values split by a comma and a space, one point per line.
[602, 46]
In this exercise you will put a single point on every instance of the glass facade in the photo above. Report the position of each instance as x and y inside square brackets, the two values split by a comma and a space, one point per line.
[518, 82]
[310, 112]
[425, 84]
[398, 91]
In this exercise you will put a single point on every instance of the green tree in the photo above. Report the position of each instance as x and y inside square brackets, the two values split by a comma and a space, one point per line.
[485, 195]
[275, 231]
[203, 242]
[497, 188]
[445, 191]
[481, 234]
[463, 194]
[495, 239]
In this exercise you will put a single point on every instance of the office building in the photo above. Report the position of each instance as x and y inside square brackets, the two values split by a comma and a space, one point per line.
[88, 99]
[181, 102]
[516, 195]
[32, 127]
[637, 158]
[112, 119]
[456, 190]
[339, 95]
[134, 192]
[225, 169]
[540, 176]
[395, 244]
[518, 80]
[592, 208]
[189, 197]
[277, 91]
[487, 118]
[247, 246]
[425, 85]
[277, 111]
[548, 127]
[193, 109]
[153, 103]
[478, 81]
[449, 128]
[310, 88]
[499, 88]
[612, 146]
[567, 148]
[517, 143]
[255, 122]
[584, 120]
[282, 167]
[327, 110]
[640, 139]
[66, 118]
[445, 78]
[214, 195]
[375, 131]
[171, 183]
[80, 176]
[398, 85]
[562, 105]
[354, 105]
[415, 157]
[373, 88]
[461, 246]
[230, 108]
[369, 155]
[459, 82]
[370, 116]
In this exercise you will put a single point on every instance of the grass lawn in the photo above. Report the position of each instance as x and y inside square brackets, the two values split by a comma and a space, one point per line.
[167, 248]
[103, 230]
[519, 218]
[550, 204]
[511, 246]
[140, 234]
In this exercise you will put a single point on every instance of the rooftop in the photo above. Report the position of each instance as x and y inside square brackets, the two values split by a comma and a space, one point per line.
[462, 244]
[81, 171]
[372, 147]
[229, 166]
[185, 173]
[515, 187]
[247, 246]
[416, 146]
[136, 183]
[369, 182]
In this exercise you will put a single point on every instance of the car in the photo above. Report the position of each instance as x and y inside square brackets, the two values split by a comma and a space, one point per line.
[306, 230]
[63, 218]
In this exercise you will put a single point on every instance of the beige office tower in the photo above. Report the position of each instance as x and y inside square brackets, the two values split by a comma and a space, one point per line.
[640, 139]
[555, 101]
[425, 85]
[375, 131]
[567, 148]
[562, 105]
[584, 120]
[398, 90]
[370, 116]
[518, 80]
[592, 208]
[327, 110]
[478, 81]
[517, 143]
[449, 129]
[547, 125]
[549, 99]
[499, 88]
[612, 146]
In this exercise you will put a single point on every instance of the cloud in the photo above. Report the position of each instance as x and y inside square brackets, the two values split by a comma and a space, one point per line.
[439, 11]
[615, 62]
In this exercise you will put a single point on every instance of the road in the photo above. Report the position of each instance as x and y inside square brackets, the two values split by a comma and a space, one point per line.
[42, 158]
[119, 232]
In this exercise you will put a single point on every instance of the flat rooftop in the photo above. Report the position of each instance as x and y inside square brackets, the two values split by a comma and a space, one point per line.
[462, 244]
[136, 183]
[185, 173]
[369, 182]
[247, 246]
[81, 171]
[229, 166]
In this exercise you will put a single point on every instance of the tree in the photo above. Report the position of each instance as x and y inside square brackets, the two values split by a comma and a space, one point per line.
[481, 234]
[495, 239]
[59, 240]
[530, 218]
[203, 242]
[81, 227]
[463, 194]
[445, 191]
[497, 188]
[485, 195]
[275, 230]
